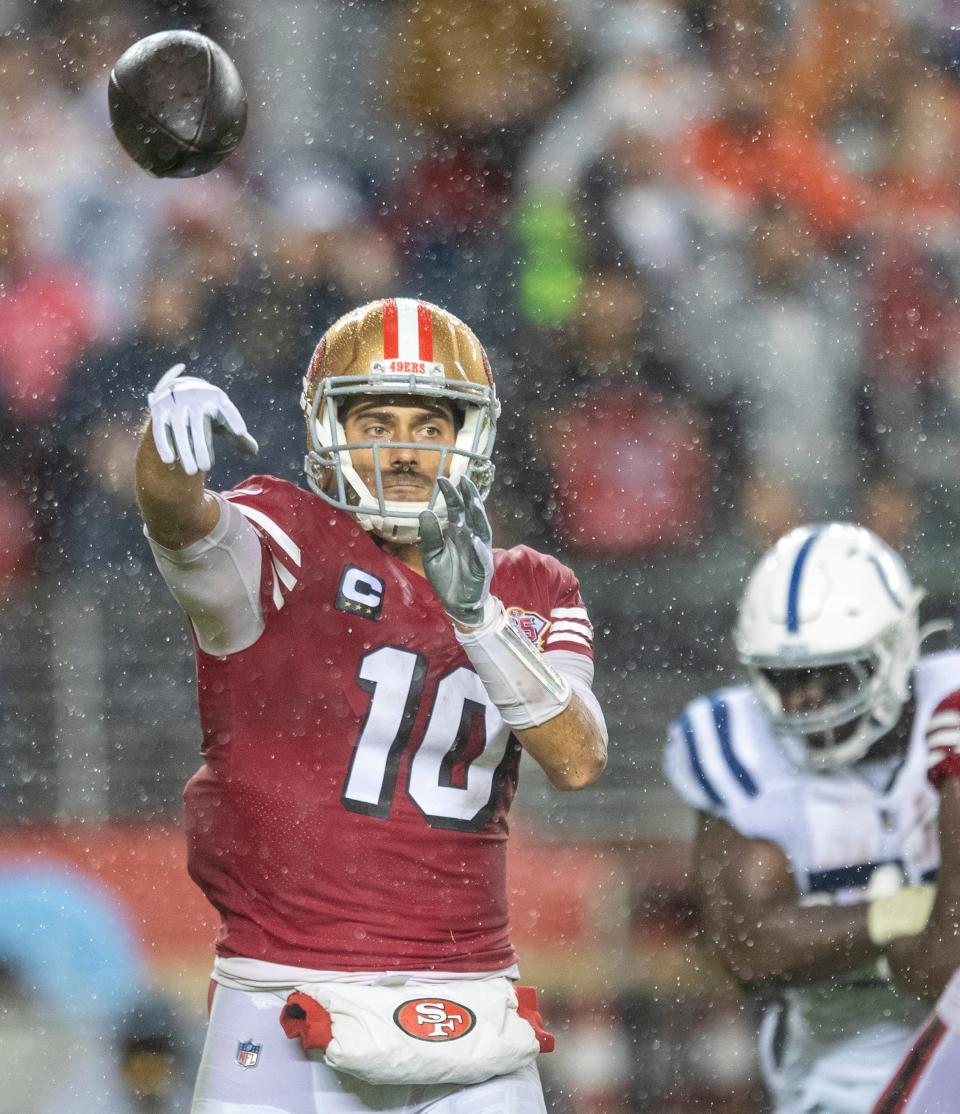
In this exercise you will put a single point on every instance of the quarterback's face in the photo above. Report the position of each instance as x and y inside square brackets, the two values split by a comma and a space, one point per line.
[408, 470]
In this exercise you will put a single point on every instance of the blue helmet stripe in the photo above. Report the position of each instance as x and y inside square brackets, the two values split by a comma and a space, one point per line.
[721, 720]
[885, 582]
[687, 728]
[793, 592]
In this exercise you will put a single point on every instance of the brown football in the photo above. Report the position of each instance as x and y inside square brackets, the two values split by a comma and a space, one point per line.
[177, 104]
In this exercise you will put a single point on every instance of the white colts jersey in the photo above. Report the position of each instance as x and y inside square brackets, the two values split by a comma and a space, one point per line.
[850, 836]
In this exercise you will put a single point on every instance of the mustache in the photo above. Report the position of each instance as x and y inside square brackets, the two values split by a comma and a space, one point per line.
[405, 479]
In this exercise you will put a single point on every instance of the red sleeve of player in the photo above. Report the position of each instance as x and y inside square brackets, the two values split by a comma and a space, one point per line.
[570, 627]
[943, 740]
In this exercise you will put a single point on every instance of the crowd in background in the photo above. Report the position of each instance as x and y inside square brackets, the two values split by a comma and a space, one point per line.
[711, 246]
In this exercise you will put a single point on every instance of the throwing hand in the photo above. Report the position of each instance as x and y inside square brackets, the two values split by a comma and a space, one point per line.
[185, 413]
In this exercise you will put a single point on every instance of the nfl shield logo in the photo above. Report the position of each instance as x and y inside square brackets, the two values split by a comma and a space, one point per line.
[248, 1054]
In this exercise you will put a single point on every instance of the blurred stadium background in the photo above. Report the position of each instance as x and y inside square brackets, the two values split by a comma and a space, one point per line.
[712, 247]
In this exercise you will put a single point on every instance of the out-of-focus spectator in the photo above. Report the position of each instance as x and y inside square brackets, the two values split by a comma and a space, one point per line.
[470, 81]
[890, 507]
[936, 23]
[470, 68]
[789, 345]
[42, 149]
[747, 156]
[841, 59]
[100, 528]
[45, 312]
[911, 288]
[642, 80]
[634, 207]
[602, 174]
[44, 318]
[629, 457]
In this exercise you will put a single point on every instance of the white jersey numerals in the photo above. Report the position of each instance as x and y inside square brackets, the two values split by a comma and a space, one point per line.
[464, 735]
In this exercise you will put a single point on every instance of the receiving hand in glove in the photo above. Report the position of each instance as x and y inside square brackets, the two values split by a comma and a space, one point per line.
[185, 413]
[458, 560]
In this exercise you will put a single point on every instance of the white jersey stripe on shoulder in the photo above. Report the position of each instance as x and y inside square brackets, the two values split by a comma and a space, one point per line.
[286, 577]
[569, 613]
[564, 636]
[278, 600]
[281, 537]
[408, 329]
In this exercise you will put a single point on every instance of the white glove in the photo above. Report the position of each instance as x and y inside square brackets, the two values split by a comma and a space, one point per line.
[185, 413]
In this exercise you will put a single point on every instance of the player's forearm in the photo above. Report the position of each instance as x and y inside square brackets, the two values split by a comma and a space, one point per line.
[793, 944]
[924, 963]
[174, 506]
[570, 748]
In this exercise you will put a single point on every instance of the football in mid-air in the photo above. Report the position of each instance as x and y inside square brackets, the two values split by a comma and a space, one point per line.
[177, 104]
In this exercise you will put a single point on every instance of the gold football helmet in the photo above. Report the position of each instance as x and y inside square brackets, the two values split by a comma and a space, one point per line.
[396, 347]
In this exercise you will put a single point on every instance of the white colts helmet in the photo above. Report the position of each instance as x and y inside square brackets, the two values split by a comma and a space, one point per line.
[833, 604]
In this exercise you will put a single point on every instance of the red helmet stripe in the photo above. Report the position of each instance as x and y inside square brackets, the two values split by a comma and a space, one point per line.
[425, 329]
[391, 334]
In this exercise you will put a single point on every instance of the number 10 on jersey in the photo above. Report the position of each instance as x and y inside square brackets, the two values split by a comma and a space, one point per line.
[395, 678]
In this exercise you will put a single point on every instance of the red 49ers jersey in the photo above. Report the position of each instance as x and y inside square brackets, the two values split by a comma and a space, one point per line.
[351, 813]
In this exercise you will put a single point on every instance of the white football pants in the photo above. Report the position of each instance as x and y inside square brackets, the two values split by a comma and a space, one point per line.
[283, 1079]
[927, 1080]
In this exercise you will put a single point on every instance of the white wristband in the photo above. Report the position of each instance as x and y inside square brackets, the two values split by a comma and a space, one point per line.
[525, 688]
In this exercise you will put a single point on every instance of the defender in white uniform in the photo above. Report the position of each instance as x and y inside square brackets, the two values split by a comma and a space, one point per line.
[817, 838]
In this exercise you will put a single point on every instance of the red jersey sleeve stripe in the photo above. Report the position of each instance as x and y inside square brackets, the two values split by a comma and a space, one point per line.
[391, 330]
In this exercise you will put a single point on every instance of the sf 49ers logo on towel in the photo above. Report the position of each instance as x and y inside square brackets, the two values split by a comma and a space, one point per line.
[434, 1019]
[531, 625]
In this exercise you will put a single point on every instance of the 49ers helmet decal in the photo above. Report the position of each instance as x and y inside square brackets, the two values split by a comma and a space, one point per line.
[396, 347]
